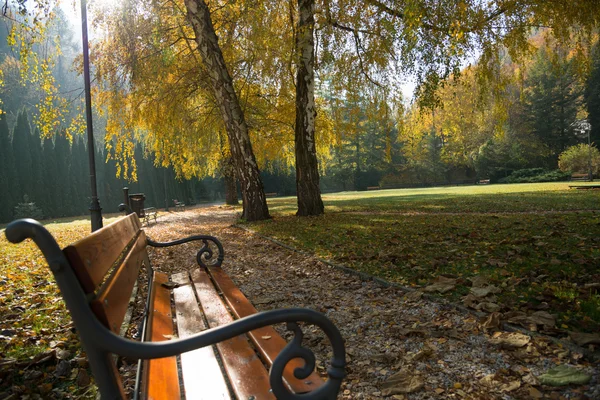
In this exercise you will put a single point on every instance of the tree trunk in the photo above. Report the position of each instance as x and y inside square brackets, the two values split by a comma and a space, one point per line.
[231, 197]
[307, 170]
[253, 195]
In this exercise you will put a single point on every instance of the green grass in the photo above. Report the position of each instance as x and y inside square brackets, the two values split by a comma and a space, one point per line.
[525, 197]
[32, 313]
[527, 239]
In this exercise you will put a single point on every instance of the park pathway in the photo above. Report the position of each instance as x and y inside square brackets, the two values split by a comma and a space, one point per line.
[397, 342]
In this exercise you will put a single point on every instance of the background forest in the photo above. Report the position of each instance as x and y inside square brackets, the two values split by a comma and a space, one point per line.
[507, 120]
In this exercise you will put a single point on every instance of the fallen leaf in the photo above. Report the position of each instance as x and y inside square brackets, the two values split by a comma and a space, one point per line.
[510, 340]
[63, 354]
[424, 353]
[414, 295]
[509, 387]
[170, 285]
[470, 301]
[583, 339]
[564, 375]
[441, 284]
[531, 379]
[491, 322]
[490, 307]
[534, 393]
[45, 388]
[402, 382]
[83, 379]
[489, 381]
[62, 369]
[535, 320]
[485, 291]
[479, 281]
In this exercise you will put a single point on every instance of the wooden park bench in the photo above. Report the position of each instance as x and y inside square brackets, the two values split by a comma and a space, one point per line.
[148, 214]
[580, 177]
[219, 346]
[271, 194]
[179, 206]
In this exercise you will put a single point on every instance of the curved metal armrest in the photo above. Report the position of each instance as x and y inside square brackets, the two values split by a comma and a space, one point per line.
[125, 208]
[113, 343]
[204, 254]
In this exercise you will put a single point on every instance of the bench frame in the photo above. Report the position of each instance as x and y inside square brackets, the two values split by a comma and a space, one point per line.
[100, 343]
[179, 205]
[149, 213]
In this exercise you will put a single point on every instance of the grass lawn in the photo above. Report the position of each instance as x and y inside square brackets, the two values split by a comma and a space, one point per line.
[33, 318]
[537, 244]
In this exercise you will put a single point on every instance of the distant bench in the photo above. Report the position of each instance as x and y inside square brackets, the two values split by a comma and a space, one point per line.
[580, 177]
[179, 206]
[271, 194]
[373, 188]
[149, 213]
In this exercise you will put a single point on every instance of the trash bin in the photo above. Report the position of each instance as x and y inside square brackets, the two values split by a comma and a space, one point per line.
[137, 203]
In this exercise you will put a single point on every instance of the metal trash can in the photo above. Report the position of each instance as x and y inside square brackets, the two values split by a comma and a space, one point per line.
[136, 202]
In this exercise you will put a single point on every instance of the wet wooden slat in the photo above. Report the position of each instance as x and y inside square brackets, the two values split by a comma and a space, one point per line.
[112, 300]
[92, 256]
[202, 375]
[269, 348]
[161, 379]
[246, 372]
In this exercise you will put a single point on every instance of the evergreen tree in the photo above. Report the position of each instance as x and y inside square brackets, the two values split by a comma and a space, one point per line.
[62, 151]
[35, 145]
[592, 96]
[22, 154]
[49, 179]
[552, 99]
[8, 178]
[80, 182]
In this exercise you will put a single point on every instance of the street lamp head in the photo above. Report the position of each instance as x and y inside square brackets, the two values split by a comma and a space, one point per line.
[581, 127]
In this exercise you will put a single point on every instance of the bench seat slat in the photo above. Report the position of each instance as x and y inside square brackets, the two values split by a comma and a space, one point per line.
[112, 300]
[246, 372]
[202, 376]
[92, 256]
[161, 380]
[268, 348]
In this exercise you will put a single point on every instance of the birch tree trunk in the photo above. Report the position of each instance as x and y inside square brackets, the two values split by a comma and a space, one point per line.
[253, 195]
[231, 197]
[307, 170]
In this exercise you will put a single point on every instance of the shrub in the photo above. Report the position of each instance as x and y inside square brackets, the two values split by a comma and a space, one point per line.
[534, 175]
[576, 159]
[27, 209]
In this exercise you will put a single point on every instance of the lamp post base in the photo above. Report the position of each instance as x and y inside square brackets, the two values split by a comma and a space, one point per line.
[96, 214]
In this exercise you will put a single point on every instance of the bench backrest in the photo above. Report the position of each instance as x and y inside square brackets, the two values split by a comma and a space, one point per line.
[107, 265]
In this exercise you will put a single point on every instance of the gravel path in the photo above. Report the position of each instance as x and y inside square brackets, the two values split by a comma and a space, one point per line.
[397, 342]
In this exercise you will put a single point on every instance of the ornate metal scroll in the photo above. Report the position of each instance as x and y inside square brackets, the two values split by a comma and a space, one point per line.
[205, 254]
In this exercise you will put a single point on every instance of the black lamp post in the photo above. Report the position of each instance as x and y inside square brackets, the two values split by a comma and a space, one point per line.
[95, 209]
[588, 128]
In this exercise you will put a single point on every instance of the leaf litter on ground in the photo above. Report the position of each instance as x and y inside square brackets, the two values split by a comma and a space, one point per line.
[383, 328]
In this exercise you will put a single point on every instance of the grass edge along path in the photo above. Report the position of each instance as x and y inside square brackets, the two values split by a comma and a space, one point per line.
[545, 230]
[591, 355]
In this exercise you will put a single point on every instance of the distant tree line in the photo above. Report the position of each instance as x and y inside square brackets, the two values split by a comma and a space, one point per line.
[53, 174]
